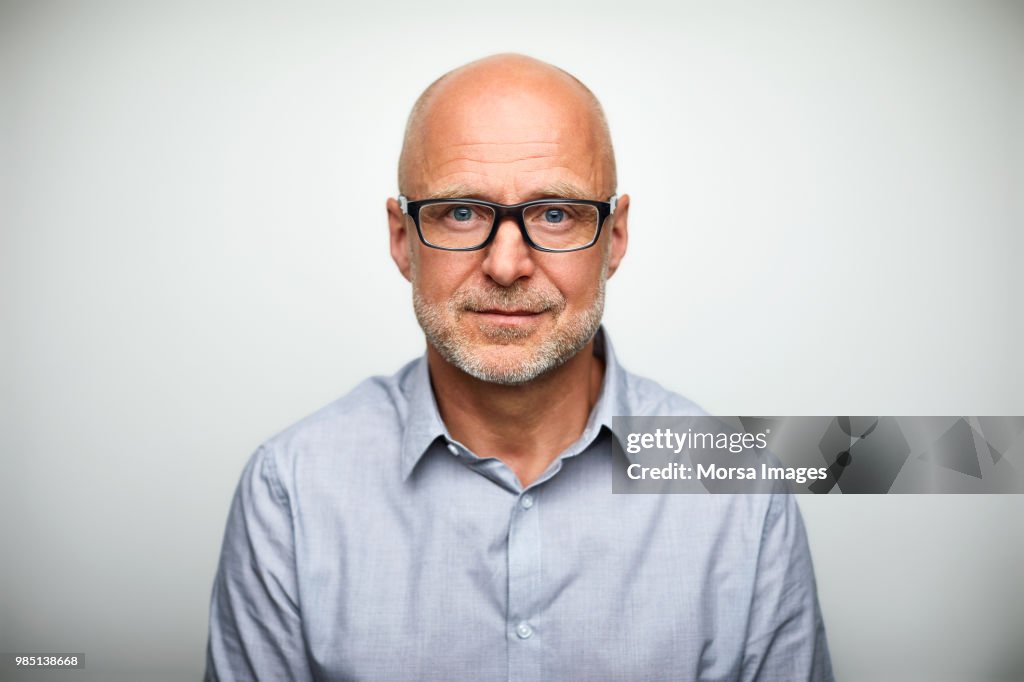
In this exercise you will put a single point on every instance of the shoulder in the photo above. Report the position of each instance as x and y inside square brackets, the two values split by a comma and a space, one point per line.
[363, 419]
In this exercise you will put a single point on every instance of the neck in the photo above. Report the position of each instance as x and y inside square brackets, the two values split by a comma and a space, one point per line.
[525, 426]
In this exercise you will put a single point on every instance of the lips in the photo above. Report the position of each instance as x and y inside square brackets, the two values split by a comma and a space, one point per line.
[510, 313]
[502, 318]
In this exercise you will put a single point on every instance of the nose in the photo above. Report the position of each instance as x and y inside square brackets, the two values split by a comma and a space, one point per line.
[508, 256]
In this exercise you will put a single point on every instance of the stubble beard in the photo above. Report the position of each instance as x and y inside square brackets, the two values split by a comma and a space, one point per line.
[441, 323]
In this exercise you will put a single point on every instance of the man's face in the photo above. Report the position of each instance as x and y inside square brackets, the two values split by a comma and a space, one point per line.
[508, 313]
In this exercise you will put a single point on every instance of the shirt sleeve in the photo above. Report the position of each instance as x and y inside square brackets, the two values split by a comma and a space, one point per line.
[255, 623]
[786, 634]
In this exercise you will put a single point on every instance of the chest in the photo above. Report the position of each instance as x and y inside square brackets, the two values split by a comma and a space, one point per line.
[487, 584]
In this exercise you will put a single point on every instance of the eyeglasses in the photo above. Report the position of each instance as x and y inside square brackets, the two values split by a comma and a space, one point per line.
[556, 225]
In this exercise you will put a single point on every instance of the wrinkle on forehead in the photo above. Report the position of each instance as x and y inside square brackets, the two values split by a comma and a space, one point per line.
[505, 110]
[514, 180]
[497, 152]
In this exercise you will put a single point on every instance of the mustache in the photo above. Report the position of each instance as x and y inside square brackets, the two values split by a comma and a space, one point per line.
[515, 297]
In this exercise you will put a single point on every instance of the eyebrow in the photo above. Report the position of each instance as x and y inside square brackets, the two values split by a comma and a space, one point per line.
[557, 190]
[455, 192]
[563, 190]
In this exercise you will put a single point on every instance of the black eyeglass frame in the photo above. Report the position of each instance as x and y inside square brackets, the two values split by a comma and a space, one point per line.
[503, 211]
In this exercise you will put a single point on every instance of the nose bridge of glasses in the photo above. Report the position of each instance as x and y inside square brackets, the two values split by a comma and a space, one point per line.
[513, 218]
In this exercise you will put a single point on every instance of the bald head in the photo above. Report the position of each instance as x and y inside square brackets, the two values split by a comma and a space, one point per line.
[509, 100]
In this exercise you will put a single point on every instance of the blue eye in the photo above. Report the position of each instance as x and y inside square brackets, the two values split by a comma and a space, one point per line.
[554, 215]
[462, 213]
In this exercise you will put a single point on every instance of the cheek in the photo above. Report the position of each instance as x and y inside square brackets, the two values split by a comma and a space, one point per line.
[438, 274]
[579, 283]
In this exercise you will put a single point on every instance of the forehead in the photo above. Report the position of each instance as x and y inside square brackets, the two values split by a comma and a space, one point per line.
[507, 140]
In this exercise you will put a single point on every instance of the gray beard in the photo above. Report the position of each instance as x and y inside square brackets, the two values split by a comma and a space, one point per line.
[553, 351]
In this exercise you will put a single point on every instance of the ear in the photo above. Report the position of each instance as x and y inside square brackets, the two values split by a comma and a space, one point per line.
[620, 234]
[399, 236]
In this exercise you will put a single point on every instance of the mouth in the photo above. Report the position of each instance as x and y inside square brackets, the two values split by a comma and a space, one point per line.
[509, 312]
[509, 316]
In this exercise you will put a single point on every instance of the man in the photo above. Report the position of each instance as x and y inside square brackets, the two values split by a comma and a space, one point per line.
[456, 521]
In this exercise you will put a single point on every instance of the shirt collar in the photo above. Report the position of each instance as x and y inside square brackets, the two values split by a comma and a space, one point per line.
[424, 424]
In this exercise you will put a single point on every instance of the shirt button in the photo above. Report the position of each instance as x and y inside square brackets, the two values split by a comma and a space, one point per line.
[526, 501]
[452, 449]
[524, 631]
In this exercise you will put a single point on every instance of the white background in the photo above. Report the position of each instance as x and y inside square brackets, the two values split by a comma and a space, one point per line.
[827, 219]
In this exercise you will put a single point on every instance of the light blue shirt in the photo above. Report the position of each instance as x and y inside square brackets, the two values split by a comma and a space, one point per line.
[364, 543]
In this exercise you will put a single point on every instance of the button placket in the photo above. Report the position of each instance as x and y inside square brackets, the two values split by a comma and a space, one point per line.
[525, 591]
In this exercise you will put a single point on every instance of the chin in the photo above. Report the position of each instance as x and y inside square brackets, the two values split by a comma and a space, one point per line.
[502, 357]
[508, 365]
[504, 335]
